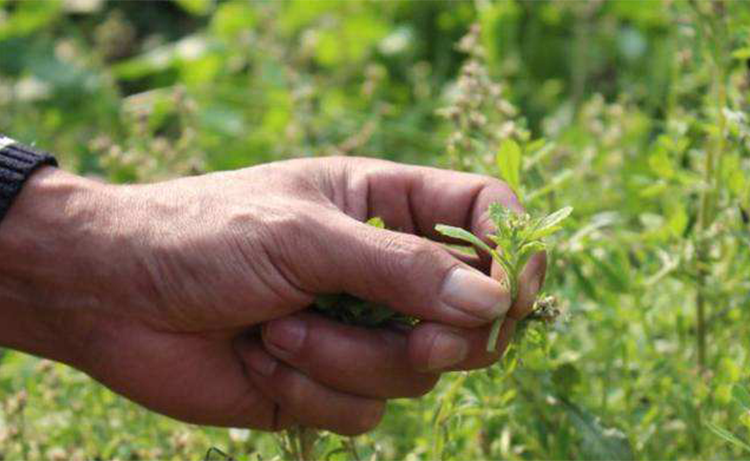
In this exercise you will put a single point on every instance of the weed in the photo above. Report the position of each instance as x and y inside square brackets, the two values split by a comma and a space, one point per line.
[517, 238]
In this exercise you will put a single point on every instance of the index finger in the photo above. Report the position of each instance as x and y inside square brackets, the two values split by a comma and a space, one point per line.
[414, 199]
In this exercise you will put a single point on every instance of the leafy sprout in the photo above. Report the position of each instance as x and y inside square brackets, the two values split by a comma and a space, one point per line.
[517, 237]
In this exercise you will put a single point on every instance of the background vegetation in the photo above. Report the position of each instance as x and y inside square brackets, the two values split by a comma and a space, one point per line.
[635, 113]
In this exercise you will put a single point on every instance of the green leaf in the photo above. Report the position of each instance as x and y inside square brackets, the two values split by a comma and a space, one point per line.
[511, 278]
[742, 396]
[742, 53]
[188, 49]
[497, 212]
[196, 7]
[677, 220]
[494, 334]
[597, 442]
[509, 163]
[328, 301]
[217, 454]
[351, 42]
[734, 176]
[376, 222]
[29, 17]
[527, 250]
[231, 18]
[549, 225]
[728, 436]
[661, 164]
[566, 377]
[556, 217]
[464, 235]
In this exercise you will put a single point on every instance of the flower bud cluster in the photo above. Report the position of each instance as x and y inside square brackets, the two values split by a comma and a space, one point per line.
[480, 114]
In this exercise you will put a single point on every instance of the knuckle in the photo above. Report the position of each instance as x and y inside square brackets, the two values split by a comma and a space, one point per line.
[263, 241]
[285, 225]
[410, 255]
[294, 242]
[295, 391]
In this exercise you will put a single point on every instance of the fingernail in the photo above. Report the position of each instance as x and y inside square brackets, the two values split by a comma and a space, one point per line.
[287, 334]
[261, 362]
[475, 294]
[448, 349]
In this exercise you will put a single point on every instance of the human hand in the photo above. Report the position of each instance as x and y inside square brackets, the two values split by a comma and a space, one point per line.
[187, 296]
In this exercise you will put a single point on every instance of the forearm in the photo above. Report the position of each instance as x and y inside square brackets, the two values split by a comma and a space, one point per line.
[43, 264]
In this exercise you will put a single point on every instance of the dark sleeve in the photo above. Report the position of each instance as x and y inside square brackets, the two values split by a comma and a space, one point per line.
[17, 164]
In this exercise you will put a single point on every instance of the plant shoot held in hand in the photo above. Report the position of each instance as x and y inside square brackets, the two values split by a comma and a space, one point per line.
[516, 239]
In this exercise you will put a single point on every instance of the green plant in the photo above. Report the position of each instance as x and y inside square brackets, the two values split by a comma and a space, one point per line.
[517, 238]
[741, 397]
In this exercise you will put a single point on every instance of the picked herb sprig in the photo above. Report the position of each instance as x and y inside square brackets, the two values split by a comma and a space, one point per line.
[518, 236]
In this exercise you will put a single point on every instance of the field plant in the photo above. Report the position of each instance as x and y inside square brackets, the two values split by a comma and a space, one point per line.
[741, 398]
[517, 238]
[636, 114]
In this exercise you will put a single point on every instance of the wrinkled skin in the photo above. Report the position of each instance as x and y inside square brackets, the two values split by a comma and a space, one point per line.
[189, 296]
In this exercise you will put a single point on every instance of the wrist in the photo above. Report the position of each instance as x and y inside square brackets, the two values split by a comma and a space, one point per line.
[46, 273]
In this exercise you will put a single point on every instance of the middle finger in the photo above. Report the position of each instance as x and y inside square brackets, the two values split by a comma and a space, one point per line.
[369, 362]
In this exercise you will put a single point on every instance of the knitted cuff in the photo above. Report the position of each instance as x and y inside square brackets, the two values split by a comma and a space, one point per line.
[17, 164]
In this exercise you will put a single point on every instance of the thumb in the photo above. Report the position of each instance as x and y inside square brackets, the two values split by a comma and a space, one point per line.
[410, 274]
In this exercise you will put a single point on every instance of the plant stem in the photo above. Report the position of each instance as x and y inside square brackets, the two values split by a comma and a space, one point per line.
[510, 275]
[494, 334]
[709, 196]
[352, 448]
[700, 304]
[443, 414]
[307, 439]
[580, 48]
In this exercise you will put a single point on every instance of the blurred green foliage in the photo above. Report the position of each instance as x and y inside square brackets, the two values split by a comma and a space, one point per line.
[634, 113]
